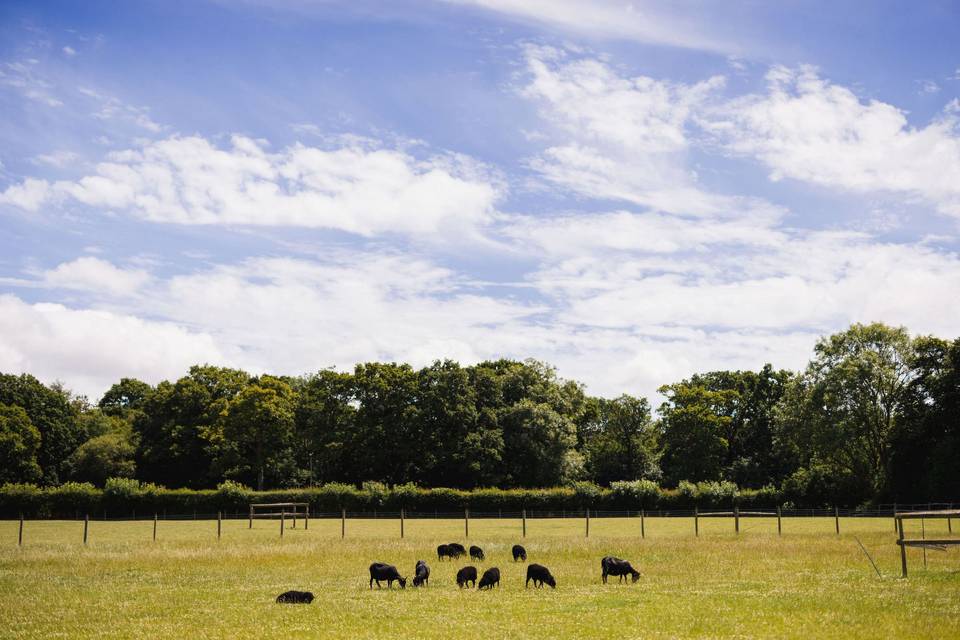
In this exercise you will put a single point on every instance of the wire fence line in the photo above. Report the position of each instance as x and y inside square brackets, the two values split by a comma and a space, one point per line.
[881, 511]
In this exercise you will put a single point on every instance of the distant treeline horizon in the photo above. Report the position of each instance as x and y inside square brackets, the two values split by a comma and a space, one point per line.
[874, 416]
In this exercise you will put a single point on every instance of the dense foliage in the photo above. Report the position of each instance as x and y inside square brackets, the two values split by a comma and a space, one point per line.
[874, 416]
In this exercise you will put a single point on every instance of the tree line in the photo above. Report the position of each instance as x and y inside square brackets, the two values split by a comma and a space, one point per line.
[874, 416]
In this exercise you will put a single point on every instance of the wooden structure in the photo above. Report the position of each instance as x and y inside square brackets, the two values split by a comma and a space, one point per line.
[923, 542]
[735, 514]
[281, 510]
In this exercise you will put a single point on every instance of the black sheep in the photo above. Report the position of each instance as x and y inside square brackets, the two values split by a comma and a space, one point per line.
[456, 550]
[519, 553]
[421, 574]
[613, 566]
[465, 575]
[490, 579]
[381, 571]
[540, 575]
[443, 551]
[295, 597]
[476, 552]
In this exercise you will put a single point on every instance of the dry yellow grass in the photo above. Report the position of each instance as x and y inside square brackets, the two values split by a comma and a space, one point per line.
[808, 583]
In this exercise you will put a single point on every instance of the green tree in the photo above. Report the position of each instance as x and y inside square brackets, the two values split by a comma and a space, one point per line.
[258, 430]
[926, 446]
[388, 443]
[325, 425]
[19, 444]
[178, 434]
[622, 443]
[694, 432]
[102, 457]
[54, 415]
[859, 382]
[129, 396]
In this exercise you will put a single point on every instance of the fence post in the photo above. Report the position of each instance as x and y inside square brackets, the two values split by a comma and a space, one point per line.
[524, 523]
[20, 535]
[643, 533]
[779, 525]
[466, 523]
[306, 517]
[949, 525]
[219, 516]
[343, 523]
[696, 521]
[283, 520]
[736, 518]
[294, 517]
[86, 523]
[154, 527]
[894, 517]
[250, 526]
[903, 549]
[836, 518]
[588, 521]
[401, 523]
[923, 536]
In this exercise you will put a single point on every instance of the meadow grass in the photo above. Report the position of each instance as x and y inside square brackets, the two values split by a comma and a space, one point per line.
[809, 582]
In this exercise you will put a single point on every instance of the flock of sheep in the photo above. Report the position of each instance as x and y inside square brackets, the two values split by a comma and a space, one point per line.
[539, 574]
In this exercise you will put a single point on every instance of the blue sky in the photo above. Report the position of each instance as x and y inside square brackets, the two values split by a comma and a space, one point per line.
[631, 191]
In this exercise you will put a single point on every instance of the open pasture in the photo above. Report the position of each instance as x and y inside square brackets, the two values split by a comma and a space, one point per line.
[809, 582]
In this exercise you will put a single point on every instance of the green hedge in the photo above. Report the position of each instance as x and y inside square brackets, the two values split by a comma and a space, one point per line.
[121, 497]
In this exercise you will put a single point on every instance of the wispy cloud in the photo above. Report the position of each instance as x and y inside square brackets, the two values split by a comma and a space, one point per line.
[643, 21]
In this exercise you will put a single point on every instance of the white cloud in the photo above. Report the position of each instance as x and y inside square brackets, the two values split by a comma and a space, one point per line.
[808, 129]
[96, 276]
[352, 188]
[70, 51]
[29, 194]
[624, 302]
[59, 159]
[650, 233]
[643, 21]
[624, 138]
[782, 280]
[90, 350]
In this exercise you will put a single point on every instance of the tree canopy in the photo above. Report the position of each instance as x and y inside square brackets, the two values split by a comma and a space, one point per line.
[873, 416]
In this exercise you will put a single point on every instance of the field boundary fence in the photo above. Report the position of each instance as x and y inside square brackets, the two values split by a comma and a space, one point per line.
[288, 519]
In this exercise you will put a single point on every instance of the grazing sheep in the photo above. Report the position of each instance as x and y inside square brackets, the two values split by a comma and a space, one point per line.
[381, 571]
[465, 575]
[421, 574]
[476, 553]
[444, 551]
[295, 597]
[490, 579]
[613, 566]
[456, 550]
[519, 553]
[540, 575]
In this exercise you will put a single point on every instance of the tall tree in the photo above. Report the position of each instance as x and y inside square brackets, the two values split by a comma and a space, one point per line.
[859, 381]
[258, 430]
[19, 444]
[325, 425]
[622, 444]
[178, 434]
[388, 443]
[695, 428]
[53, 414]
[926, 446]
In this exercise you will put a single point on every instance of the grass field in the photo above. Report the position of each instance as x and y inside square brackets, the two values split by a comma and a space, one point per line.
[808, 583]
